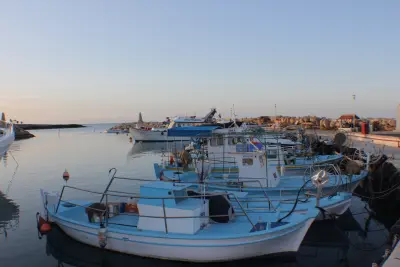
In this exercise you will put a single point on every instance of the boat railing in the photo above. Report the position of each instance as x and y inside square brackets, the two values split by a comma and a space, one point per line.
[239, 184]
[106, 212]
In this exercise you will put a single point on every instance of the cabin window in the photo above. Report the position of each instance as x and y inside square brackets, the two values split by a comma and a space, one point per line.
[217, 141]
[247, 161]
[272, 154]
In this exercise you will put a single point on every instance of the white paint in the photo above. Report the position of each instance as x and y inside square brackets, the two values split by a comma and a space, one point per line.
[7, 136]
[179, 225]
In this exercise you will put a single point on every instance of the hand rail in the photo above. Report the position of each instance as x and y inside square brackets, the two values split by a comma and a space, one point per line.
[106, 212]
[109, 184]
[165, 218]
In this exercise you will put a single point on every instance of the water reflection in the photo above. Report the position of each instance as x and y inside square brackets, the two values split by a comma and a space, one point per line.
[9, 214]
[329, 243]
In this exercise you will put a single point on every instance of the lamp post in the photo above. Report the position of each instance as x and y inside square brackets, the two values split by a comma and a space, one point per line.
[354, 115]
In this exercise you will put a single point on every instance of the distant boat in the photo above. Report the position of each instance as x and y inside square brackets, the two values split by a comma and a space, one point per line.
[117, 131]
[142, 134]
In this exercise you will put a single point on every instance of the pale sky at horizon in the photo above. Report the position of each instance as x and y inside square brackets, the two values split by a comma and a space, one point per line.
[106, 61]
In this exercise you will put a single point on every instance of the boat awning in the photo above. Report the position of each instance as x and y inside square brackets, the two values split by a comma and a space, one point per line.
[192, 131]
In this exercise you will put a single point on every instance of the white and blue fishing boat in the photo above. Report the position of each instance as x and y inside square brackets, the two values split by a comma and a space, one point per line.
[171, 221]
[240, 164]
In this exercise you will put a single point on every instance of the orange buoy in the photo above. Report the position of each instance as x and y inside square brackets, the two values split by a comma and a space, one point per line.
[45, 228]
[66, 175]
[41, 221]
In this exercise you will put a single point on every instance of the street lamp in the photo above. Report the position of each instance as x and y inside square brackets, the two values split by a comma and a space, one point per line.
[354, 115]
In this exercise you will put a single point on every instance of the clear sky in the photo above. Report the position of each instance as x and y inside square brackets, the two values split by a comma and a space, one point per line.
[99, 61]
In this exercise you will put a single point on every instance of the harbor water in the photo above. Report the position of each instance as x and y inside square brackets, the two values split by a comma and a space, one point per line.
[356, 239]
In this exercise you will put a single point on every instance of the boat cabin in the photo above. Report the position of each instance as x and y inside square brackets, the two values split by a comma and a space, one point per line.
[248, 156]
[171, 200]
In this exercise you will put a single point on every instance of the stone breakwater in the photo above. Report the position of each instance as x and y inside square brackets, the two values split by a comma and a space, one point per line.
[48, 126]
[22, 133]
[379, 124]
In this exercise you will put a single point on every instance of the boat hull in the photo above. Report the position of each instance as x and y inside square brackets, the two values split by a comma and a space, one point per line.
[192, 250]
[336, 209]
[6, 139]
[153, 136]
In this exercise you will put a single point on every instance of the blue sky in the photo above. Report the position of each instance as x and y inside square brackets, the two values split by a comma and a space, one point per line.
[99, 61]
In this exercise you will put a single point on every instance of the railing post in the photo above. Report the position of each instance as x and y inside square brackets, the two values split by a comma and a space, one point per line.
[109, 184]
[107, 211]
[59, 200]
[165, 218]
[245, 213]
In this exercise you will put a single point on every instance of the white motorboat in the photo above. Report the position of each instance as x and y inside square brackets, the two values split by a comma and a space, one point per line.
[7, 135]
[141, 134]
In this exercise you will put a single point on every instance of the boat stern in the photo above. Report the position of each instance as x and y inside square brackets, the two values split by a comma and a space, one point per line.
[49, 202]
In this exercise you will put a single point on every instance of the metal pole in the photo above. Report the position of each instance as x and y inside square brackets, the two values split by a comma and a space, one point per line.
[109, 184]
[107, 211]
[354, 115]
[165, 219]
[58, 204]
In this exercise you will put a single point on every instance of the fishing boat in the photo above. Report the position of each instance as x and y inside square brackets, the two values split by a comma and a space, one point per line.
[7, 135]
[140, 134]
[233, 164]
[174, 222]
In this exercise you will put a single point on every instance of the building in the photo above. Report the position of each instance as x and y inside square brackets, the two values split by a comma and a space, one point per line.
[348, 119]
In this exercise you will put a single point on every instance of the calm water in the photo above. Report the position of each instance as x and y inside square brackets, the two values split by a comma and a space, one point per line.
[88, 155]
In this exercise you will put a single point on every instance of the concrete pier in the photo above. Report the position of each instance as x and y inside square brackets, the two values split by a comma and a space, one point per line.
[398, 119]
[386, 140]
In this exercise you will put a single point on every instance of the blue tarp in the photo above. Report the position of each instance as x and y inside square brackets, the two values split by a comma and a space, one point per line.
[192, 131]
